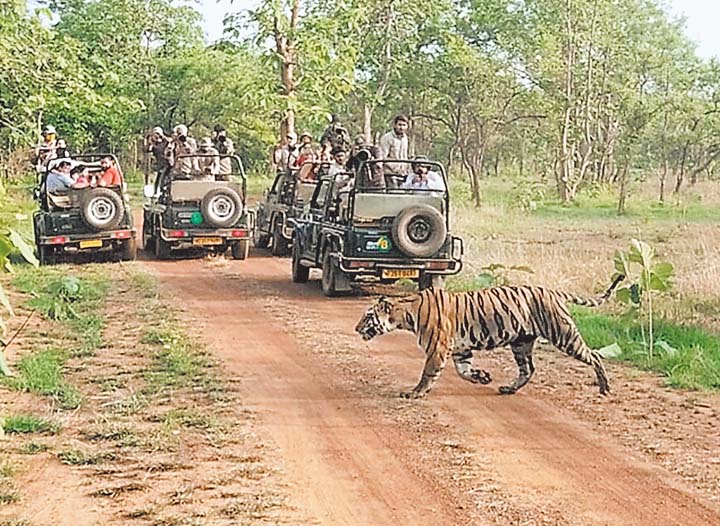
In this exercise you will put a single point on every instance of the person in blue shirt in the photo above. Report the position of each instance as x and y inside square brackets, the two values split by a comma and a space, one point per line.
[59, 179]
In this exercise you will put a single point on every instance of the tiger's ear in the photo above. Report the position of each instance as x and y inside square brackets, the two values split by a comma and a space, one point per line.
[384, 304]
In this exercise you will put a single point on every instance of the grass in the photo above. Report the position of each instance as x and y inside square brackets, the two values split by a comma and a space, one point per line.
[175, 362]
[693, 362]
[42, 373]
[76, 457]
[33, 448]
[23, 424]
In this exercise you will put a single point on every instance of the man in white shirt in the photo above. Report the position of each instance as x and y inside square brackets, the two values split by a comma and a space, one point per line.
[424, 179]
[394, 145]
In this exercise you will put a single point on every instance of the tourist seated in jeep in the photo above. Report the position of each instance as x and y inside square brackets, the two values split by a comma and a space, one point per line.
[110, 175]
[423, 178]
[59, 180]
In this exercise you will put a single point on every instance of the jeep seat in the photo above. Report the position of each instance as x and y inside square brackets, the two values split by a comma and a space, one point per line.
[377, 206]
[304, 191]
[59, 201]
[181, 191]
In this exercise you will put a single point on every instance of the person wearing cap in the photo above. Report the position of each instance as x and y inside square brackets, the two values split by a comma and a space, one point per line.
[45, 150]
[181, 145]
[156, 144]
[208, 167]
[59, 179]
[423, 178]
[224, 146]
[394, 145]
[335, 135]
[290, 154]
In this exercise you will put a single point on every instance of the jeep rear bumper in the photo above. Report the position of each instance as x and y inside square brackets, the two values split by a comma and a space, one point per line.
[390, 268]
[205, 237]
[88, 242]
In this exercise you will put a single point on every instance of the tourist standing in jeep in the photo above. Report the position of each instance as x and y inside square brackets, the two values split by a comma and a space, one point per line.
[394, 145]
[224, 146]
[180, 151]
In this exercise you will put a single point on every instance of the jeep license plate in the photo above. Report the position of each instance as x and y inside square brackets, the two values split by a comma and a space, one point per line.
[400, 273]
[207, 241]
[91, 243]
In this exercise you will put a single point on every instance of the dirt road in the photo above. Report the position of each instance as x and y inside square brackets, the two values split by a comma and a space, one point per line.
[353, 453]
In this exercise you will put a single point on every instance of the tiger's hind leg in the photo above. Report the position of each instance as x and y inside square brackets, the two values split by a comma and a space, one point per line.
[571, 342]
[522, 352]
[464, 368]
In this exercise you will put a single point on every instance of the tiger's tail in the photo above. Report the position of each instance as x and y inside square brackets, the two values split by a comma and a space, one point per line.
[596, 302]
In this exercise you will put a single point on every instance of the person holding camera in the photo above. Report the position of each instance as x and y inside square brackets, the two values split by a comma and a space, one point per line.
[182, 145]
[423, 178]
[394, 146]
[224, 146]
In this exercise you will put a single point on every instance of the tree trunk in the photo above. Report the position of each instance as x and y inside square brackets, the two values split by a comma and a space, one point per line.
[622, 199]
[367, 122]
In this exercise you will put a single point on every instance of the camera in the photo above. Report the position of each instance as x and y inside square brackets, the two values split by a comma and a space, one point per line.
[221, 138]
[182, 138]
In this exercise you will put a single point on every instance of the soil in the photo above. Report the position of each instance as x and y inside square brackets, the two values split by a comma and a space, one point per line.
[316, 412]
[355, 453]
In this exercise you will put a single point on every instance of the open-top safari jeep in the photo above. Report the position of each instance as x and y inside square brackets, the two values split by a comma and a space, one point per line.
[90, 220]
[356, 233]
[282, 202]
[187, 211]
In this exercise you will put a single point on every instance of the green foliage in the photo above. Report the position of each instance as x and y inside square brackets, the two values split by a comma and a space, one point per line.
[492, 275]
[76, 457]
[42, 373]
[22, 423]
[687, 356]
[175, 363]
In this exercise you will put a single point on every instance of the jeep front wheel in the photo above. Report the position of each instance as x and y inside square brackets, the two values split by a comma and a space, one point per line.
[300, 273]
[278, 245]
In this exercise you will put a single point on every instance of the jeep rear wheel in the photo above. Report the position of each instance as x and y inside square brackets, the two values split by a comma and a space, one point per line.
[221, 207]
[102, 209]
[162, 247]
[128, 251]
[260, 240]
[435, 281]
[300, 273]
[241, 249]
[329, 270]
[45, 254]
[419, 231]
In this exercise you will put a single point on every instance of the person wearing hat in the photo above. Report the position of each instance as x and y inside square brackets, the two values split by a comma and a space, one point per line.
[225, 148]
[45, 150]
[208, 162]
[423, 178]
[335, 135]
[181, 145]
[394, 145]
[291, 152]
[156, 143]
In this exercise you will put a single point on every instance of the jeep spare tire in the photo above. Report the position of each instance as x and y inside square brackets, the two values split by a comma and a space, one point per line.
[102, 208]
[419, 231]
[221, 207]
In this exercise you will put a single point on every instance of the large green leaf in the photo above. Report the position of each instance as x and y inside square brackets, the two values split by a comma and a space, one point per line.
[25, 249]
[610, 351]
[5, 301]
[640, 252]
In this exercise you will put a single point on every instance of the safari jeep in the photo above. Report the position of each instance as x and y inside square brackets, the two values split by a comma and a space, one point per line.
[83, 221]
[281, 203]
[181, 213]
[375, 234]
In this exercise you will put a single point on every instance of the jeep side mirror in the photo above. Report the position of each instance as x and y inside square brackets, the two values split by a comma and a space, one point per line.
[149, 191]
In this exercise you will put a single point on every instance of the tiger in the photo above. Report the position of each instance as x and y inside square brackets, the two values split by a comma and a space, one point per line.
[459, 323]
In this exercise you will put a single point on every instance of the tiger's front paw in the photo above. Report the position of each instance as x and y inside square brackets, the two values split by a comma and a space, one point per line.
[480, 377]
[412, 395]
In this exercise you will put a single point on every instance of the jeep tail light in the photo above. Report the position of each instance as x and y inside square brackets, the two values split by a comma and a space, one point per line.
[176, 233]
[58, 240]
[239, 233]
[360, 264]
[122, 234]
[437, 265]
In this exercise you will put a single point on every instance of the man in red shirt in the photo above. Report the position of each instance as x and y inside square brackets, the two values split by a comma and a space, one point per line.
[111, 174]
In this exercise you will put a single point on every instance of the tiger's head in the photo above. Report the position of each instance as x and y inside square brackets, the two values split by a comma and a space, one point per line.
[384, 316]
